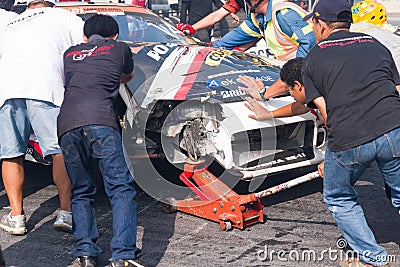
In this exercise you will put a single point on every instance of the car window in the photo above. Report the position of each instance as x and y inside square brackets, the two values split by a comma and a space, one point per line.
[140, 27]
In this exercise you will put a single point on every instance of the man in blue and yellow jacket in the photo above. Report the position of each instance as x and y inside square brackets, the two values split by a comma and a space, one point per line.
[287, 36]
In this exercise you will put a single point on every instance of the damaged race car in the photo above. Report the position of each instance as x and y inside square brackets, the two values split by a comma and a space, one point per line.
[184, 105]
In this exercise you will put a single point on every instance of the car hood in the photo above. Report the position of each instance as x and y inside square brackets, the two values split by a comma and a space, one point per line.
[183, 72]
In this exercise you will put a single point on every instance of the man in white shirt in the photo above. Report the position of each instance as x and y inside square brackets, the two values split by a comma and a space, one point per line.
[5, 14]
[5, 17]
[31, 92]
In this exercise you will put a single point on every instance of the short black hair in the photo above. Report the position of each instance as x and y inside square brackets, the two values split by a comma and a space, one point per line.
[338, 24]
[291, 71]
[103, 25]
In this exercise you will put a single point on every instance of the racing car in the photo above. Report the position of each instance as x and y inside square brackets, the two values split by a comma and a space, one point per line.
[184, 105]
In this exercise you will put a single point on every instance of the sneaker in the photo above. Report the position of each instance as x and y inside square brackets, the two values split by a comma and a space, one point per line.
[84, 261]
[63, 222]
[15, 225]
[126, 263]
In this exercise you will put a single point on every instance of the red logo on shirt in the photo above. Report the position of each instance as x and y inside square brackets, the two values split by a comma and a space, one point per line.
[95, 51]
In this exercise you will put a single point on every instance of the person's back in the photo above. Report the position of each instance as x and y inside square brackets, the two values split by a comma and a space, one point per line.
[35, 42]
[6, 17]
[370, 17]
[198, 9]
[87, 130]
[387, 38]
[353, 80]
[82, 61]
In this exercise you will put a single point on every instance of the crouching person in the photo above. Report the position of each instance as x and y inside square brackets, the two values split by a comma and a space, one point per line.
[88, 129]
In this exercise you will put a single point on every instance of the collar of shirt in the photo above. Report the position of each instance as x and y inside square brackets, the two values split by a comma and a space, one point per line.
[268, 14]
[95, 37]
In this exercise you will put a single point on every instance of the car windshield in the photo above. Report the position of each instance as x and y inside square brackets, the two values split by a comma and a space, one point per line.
[140, 27]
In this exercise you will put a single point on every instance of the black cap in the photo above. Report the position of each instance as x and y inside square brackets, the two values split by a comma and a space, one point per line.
[331, 10]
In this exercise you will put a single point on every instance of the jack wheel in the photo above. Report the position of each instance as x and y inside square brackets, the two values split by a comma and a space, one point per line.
[227, 226]
[170, 205]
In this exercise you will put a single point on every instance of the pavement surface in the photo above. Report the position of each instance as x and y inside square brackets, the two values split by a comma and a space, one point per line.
[297, 224]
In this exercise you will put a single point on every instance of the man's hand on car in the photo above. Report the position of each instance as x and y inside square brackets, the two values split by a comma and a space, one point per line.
[253, 86]
[186, 29]
[260, 113]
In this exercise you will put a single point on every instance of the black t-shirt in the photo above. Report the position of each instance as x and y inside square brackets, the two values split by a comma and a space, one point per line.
[92, 77]
[356, 75]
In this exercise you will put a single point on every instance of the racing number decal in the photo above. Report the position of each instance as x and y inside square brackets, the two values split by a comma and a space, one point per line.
[158, 50]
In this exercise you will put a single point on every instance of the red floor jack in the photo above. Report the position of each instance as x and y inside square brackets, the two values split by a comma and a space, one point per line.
[217, 202]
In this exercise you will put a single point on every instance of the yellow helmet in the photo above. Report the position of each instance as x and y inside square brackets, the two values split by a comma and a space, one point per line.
[369, 11]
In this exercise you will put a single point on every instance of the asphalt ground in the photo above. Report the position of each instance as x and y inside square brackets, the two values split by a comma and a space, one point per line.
[297, 224]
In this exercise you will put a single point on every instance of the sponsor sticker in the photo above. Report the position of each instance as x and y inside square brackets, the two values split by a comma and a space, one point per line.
[232, 93]
[213, 83]
[215, 57]
[112, 11]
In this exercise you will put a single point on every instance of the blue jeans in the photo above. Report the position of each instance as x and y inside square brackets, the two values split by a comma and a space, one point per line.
[342, 170]
[104, 144]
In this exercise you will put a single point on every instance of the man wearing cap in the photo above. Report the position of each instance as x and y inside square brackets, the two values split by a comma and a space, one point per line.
[34, 41]
[352, 78]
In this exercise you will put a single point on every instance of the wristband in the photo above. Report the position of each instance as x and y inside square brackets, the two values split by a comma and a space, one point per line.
[231, 6]
[262, 92]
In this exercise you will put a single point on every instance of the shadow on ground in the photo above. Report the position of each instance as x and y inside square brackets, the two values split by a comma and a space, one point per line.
[43, 246]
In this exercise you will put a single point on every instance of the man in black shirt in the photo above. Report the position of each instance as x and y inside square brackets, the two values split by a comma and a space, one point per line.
[88, 128]
[351, 78]
[230, 7]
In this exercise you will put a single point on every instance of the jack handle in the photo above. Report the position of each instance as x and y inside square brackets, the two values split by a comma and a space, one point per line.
[287, 185]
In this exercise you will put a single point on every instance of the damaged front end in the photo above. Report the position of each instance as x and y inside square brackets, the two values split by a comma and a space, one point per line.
[185, 104]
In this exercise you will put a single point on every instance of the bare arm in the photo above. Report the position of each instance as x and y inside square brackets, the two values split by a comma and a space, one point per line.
[321, 169]
[293, 109]
[320, 103]
[125, 78]
[277, 88]
[211, 19]
[398, 88]
[235, 18]
[249, 45]
[253, 87]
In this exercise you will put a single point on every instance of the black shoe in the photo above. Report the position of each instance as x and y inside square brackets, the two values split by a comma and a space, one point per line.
[126, 263]
[84, 261]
